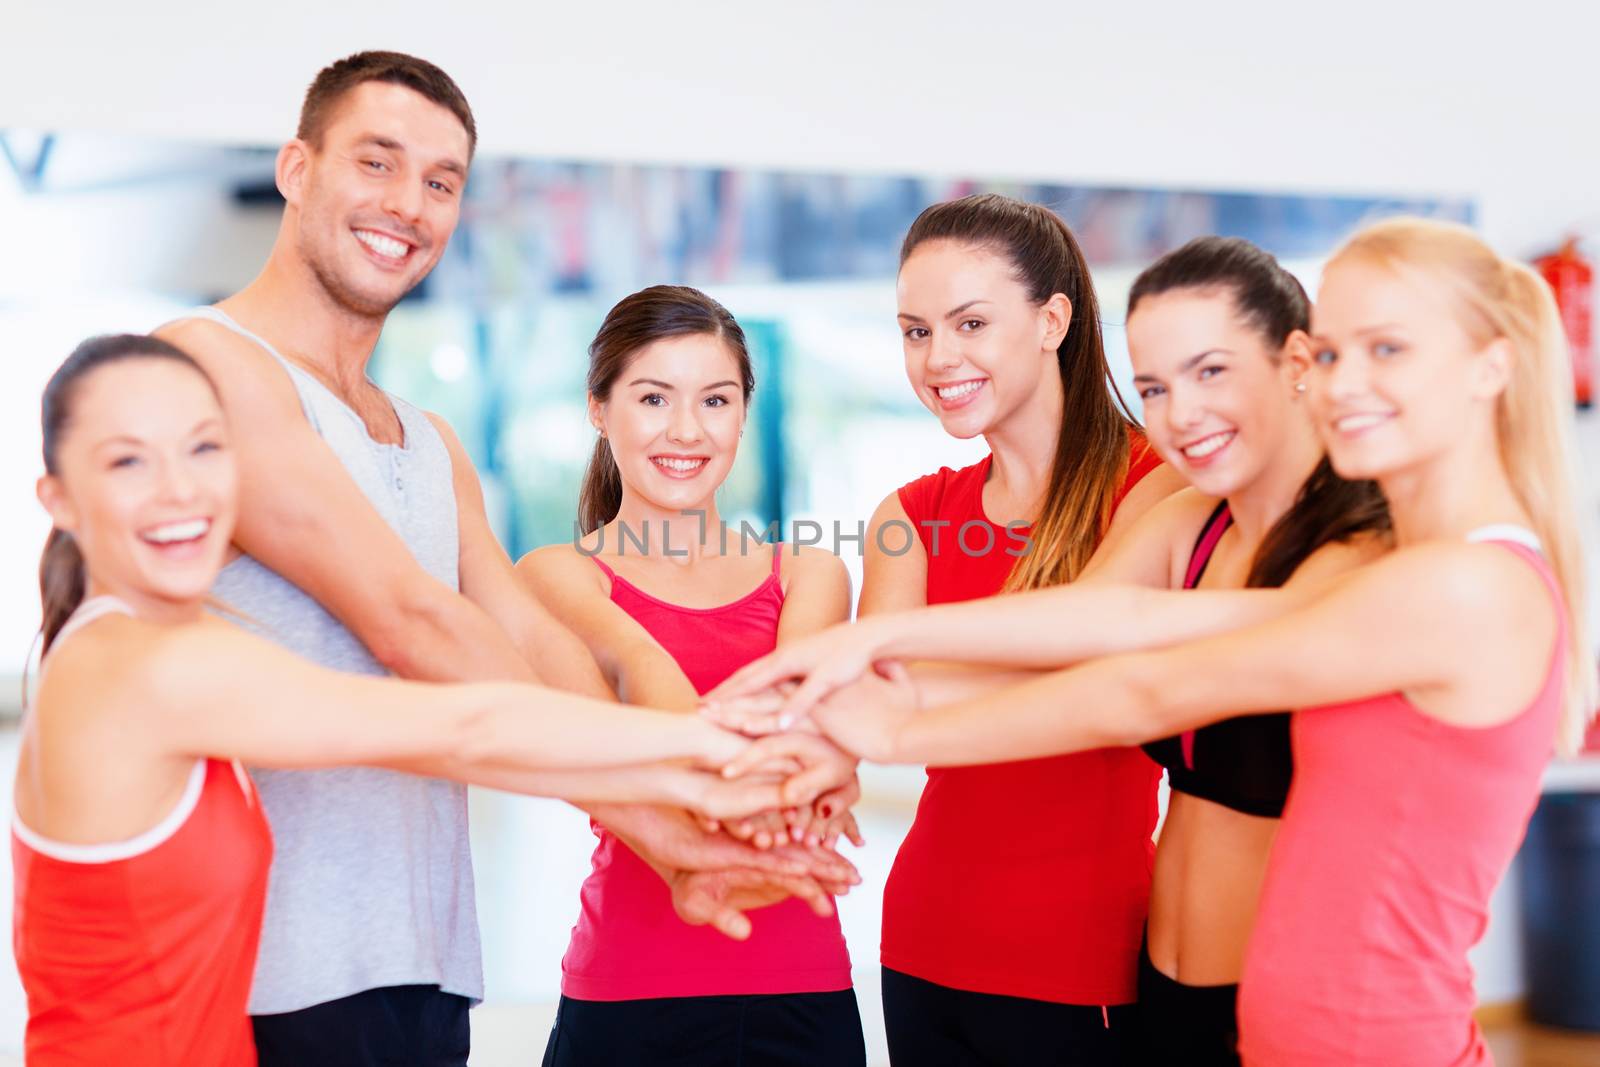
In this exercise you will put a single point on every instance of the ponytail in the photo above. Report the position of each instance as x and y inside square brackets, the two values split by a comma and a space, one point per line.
[1327, 509]
[601, 496]
[61, 583]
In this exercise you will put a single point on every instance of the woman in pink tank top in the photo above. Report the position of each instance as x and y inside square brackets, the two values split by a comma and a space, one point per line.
[1431, 685]
[140, 849]
[671, 602]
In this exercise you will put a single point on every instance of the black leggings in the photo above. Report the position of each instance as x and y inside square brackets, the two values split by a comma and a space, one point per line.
[931, 1025]
[782, 1030]
[397, 1026]
[1196, 1026]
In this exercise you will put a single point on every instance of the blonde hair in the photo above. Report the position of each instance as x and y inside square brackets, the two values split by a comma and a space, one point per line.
[1500, 298]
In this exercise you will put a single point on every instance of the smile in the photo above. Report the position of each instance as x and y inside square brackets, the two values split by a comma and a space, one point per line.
[182, 532]
[1208, 446]
[1355, 424]
[679, 466]
[958, 394]
[388, 249]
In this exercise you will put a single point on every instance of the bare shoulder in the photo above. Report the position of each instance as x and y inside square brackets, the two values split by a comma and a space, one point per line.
[448, 435]
[126, 666]
[1338, 558]
[1183, 513]
[250, 381]
[562, 567]
[1457, 586]
[811, 564]
[1159, 484]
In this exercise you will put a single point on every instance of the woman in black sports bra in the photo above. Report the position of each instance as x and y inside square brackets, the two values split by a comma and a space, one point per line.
[1217, 334]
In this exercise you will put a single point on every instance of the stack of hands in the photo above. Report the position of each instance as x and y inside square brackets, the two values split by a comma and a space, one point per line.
[771, 814]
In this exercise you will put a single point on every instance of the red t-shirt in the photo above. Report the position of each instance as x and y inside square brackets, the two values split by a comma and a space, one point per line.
[1027, 879]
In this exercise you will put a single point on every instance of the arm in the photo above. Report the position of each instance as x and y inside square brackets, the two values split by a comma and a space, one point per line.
[1039, 629]
[1409, 623]
[488, 580]
[297, 493]
[635, 664]
[287, 712]
[890, 582]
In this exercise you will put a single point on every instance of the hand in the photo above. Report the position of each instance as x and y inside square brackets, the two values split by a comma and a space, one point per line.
[866, 716]
[824, 766]
[671, 838]
[720, 898]
[757, 714]
[821, 662]
[828, 817]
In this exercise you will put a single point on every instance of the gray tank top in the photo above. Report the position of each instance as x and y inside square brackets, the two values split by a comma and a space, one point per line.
[371, 881]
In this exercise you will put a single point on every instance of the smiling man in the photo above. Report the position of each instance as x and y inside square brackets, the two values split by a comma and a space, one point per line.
[364, 546]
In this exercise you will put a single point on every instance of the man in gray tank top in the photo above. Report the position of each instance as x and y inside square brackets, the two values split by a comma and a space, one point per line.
[364, 545]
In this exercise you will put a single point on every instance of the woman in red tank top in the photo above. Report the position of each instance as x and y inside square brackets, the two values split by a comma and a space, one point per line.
[671, 602]
[139, 850]
[1012, 916]
[1432, 685]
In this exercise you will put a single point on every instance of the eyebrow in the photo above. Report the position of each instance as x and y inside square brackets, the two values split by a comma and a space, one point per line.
[1384, 327]
[391, 145]
[658, 383]
[1188, 364]
[952, 313]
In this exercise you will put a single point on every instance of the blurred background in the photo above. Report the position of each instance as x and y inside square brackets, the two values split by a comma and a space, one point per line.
[774, 157]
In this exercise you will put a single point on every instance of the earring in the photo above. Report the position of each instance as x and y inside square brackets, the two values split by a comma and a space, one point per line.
[1299, 387]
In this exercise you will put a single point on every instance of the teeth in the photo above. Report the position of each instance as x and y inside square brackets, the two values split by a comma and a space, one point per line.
[174, 532]
[955, 392]
[384, 246]
[1209, 445]
[680, 465]
[1351, 423]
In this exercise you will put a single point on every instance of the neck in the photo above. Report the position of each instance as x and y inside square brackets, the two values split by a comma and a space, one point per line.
[678, 537]
[1024, 446]
[151, 608]
[289, 307]
[1257, 506]
[1447, 496]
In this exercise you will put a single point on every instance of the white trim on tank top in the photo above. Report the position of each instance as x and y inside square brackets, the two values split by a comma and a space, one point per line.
[112, 851]
[1508, 531]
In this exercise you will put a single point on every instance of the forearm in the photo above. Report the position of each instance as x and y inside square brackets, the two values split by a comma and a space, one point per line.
[443, 637]
[939, 684]
[1050, 628]
[541, 728]
[1105, 704]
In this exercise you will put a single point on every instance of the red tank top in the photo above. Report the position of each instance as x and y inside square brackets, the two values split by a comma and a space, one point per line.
[1398, 828]
[141, 953]
[1027, 879]
[629, 943]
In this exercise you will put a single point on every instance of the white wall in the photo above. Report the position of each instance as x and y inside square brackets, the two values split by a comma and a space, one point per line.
[1364, 95]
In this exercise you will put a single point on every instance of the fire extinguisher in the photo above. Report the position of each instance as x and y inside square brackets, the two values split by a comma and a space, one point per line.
[1572, 278]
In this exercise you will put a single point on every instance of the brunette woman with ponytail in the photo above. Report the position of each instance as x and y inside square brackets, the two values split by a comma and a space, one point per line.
[670, 602]
[1013, 914]
[1217, 332]
[139, 847]
[1430, 686]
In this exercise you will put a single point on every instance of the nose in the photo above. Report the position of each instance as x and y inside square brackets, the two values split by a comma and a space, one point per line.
[403, 197]
[684, 427]
[942, 354]
[1343, 378]
[178, 485]
[1184, 410]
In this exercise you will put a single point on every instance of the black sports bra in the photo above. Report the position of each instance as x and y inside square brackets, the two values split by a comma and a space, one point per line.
[1243, 763]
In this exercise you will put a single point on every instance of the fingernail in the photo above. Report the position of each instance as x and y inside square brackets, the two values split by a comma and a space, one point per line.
[827, 811]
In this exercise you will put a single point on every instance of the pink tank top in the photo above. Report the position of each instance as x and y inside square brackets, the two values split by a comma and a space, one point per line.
[628, 943]
[1398, 828]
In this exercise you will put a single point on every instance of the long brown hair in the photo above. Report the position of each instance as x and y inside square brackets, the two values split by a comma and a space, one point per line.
[1497, 298]
[61, 572]
[1091, 455]
[1272, 301]
[647, 316]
